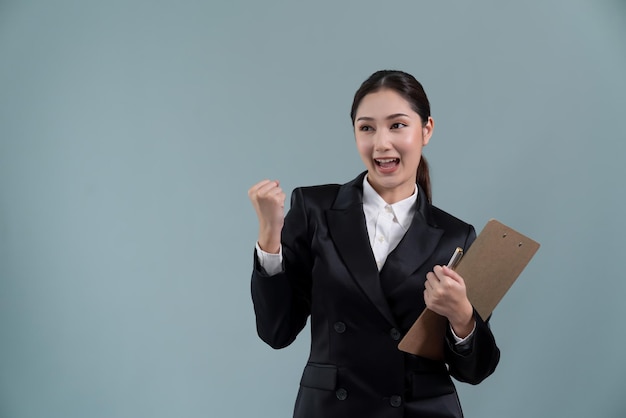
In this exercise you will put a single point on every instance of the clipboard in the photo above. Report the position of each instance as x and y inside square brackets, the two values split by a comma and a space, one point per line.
[489, 267]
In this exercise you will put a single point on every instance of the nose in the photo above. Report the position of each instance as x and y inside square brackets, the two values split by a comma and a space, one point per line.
[382, 141]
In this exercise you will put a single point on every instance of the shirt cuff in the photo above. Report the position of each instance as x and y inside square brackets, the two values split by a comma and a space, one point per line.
[272, 263]
[463, 341]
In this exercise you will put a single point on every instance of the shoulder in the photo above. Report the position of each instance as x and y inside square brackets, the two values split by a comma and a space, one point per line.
[308, 203]
[442, 217]
[334, 195]
[322, 195]
[450, 223]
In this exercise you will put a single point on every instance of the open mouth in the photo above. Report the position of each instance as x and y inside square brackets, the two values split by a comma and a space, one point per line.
[386, 162]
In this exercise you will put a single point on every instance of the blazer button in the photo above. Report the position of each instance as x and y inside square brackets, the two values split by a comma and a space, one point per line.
[395, 401]
[340, 327]
[341, 394]
[395, 334]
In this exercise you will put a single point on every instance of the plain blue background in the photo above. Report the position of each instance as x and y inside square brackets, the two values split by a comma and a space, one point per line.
[130, 132]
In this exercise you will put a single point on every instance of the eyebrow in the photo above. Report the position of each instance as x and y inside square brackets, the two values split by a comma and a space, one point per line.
[395, 115]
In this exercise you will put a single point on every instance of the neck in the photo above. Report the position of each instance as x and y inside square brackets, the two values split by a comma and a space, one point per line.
[394, 194]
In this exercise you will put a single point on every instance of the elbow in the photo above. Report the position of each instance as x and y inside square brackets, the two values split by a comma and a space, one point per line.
[484, 367]
[276, 345]
[277, 337]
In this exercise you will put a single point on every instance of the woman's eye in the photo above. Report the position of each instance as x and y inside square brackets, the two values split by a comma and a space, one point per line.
[365, 128]
[397, 125]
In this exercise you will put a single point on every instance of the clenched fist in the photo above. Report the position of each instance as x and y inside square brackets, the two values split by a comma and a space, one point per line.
[268, 200]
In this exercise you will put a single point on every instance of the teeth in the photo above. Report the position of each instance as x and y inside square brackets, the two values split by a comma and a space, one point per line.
[386, 160]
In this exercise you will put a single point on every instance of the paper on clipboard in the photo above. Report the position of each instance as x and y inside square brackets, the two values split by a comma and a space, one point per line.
[489, 267]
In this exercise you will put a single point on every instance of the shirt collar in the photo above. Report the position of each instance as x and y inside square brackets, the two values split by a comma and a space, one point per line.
[402, 210]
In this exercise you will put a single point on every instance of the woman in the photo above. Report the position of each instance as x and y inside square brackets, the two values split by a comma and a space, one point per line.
[363, 260]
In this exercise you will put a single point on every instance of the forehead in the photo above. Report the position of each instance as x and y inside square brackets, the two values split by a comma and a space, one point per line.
[382, 103]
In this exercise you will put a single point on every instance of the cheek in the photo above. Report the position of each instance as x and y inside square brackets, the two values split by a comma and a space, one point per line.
[410, 154]
[412, 144]
[406, 145]
[363, 147]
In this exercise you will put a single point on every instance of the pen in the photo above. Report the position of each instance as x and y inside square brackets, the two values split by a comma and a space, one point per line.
[456, 257]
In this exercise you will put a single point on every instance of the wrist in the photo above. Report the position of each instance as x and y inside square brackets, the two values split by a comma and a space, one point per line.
[269, 246]
[269, 238]
[463, 323]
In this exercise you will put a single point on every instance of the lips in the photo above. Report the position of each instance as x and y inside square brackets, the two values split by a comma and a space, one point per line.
[386, 162]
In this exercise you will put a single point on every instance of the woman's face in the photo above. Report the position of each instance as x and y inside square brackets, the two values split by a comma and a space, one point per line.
[390, 136]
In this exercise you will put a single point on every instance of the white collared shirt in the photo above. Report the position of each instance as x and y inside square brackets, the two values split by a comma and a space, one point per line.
[386, 224]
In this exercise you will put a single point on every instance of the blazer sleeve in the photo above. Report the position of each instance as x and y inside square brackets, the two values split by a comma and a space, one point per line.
[476, 364]
[479, 360]
[282, 302]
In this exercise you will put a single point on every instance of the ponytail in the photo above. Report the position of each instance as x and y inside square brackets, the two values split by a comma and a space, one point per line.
[423, 178]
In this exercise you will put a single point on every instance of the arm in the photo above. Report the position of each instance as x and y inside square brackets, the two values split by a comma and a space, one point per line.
[282, 301]
[476, 358]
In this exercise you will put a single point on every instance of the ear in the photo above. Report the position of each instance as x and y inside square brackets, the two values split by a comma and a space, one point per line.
[427, 130]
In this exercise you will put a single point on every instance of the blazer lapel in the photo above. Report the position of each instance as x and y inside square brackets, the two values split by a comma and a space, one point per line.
[346, 223]
[417, 245]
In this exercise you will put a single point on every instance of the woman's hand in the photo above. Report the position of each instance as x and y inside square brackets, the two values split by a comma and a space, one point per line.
[446, 295]
[268, 200]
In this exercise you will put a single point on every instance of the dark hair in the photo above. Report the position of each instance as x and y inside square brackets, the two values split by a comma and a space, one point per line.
[412, 91]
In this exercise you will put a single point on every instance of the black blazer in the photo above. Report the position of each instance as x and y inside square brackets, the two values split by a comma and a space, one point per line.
[358, 315]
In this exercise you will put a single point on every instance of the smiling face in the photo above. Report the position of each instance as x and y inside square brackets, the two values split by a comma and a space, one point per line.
[390, 136]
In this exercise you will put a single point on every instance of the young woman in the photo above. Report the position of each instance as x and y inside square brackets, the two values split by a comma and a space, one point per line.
[363, 260]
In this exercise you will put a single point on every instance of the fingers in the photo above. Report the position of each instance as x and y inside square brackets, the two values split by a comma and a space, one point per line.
[268, 200]
[446, 273]
[263, 187]
[444, 291]
[267, 190]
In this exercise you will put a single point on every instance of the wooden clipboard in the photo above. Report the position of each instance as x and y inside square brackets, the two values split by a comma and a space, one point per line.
[493, 262]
